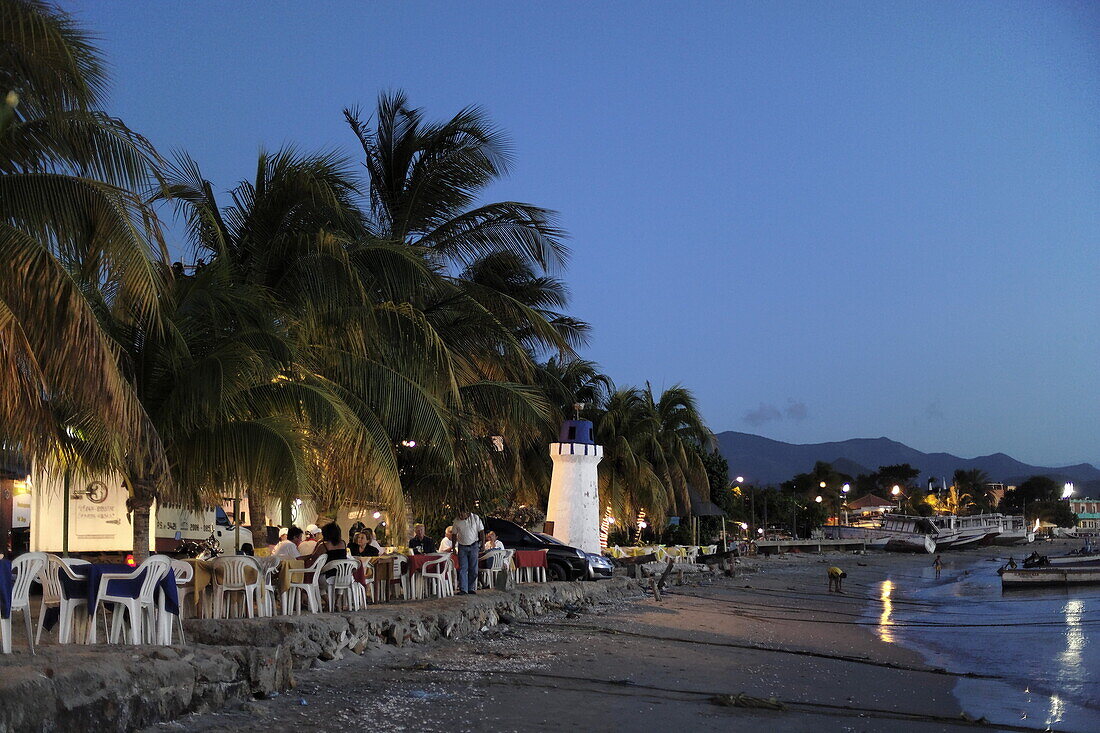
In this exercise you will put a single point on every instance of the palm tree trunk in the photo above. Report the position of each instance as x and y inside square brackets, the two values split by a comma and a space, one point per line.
[142, 495]
[257, 518]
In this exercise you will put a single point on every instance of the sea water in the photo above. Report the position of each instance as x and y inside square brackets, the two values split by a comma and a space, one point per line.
[1043, 644]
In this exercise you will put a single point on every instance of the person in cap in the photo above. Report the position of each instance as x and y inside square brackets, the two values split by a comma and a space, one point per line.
[313, 534]
[288, 544]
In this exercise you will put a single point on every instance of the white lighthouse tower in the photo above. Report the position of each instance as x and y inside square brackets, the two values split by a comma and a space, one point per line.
[574, 505]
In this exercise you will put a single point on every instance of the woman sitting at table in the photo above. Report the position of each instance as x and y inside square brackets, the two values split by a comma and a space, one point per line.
[331, 545]
[360, 547]
[371, 539]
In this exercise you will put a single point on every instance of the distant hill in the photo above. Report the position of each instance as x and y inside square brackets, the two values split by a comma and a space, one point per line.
[765, 461]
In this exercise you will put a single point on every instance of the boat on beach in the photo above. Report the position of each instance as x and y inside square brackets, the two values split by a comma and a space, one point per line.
[1049, 576]
[1014, 530]
[890, 532]
[955, 532]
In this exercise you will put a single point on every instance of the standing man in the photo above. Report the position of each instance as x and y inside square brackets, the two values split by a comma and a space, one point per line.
[469, 533]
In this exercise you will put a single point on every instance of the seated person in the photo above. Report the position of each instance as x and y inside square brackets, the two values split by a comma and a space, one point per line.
[491, 542]
[288, 547]
[331, 545]
[360, 547]
[309, 544]
[420, 543]
[447, 544]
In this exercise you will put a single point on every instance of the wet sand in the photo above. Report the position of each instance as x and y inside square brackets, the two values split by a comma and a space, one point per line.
[773, 632]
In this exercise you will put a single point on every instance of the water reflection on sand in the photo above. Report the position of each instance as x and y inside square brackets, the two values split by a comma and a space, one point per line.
[884, 631]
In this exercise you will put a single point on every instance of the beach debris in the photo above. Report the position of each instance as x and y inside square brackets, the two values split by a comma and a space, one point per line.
[741, 700]
[971, 719]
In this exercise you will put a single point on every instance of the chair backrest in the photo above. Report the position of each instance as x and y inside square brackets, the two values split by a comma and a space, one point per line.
[51, 581]
[400, 566]
[156, 567]
[184, 571]
[26, 568]
[231, 571]
[496, 559]
[437, 565]
[342, 570]
[508, 555]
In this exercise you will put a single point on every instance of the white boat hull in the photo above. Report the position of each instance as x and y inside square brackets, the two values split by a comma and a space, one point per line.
[1014, 537]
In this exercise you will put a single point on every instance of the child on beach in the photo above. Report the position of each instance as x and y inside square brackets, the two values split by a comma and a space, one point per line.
[836, 577]
[938, 565]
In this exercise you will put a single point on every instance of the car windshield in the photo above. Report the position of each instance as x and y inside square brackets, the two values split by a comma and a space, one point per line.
[548, 538]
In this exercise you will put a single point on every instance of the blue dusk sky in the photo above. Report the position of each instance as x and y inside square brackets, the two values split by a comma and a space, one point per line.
[830, 220]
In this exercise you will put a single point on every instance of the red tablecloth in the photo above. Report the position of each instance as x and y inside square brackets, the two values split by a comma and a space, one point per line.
[530, 558]
[416, 562]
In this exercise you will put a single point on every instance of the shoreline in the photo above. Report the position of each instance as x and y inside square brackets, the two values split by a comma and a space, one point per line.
[773, 631]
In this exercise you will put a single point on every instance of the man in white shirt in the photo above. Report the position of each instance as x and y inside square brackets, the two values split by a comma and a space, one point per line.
[491, 541]
[313, 532]
[288, 546]
[469, 533]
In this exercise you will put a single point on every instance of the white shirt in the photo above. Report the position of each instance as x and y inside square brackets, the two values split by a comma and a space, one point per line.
[466, 530]
[446, 545]
[306, 548]
[496, 545]
[286, 549]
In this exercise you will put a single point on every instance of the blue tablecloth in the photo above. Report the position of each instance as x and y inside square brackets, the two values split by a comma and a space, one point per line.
[88, 586]
[7, 580]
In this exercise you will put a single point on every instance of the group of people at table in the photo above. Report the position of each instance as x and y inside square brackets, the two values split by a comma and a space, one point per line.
[466, 538]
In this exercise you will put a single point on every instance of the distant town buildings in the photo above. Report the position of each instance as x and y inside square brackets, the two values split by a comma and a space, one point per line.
[1087, 510]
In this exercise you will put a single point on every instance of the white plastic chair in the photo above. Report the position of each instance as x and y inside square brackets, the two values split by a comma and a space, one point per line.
[184, 572]
[267, 590]
[401, 575]
[510, 565]
[231, 576]
[342, 582]
[496, 565]
[25, 569]
[53, 596]
[141, 610]
[292, 603]
[438, 575]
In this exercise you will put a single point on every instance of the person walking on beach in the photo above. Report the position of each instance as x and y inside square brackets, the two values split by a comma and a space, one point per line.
[938, 565]
[469, 534]
[836, 577]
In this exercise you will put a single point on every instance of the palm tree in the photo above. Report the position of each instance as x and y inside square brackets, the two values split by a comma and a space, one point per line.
[974, 483]
[70, 224]
[650, 457]
[424, 178]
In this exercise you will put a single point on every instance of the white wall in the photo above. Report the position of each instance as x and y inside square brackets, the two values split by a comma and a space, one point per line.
[94, 526]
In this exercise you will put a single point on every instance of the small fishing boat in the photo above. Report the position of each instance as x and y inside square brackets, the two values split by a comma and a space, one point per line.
[1048, 576]
[1073, 559]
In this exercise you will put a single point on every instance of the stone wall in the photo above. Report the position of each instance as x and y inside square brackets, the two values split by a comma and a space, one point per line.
[118, 688]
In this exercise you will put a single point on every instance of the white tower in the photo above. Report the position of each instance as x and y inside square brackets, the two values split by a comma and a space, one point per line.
[574, 505]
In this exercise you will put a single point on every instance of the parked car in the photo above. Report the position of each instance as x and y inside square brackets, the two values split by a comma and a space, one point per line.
[562, 561]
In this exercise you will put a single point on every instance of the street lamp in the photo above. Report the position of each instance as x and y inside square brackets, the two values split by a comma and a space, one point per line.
[1067, 491]
[896, 491]
[841, 501]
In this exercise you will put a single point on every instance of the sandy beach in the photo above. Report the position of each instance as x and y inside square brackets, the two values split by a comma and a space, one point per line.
[773, 633]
